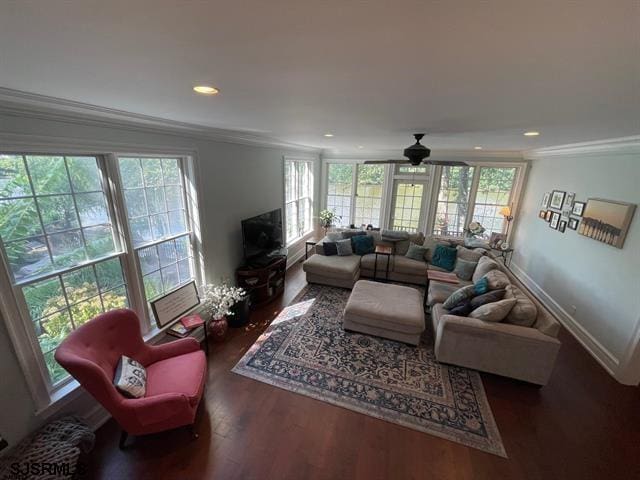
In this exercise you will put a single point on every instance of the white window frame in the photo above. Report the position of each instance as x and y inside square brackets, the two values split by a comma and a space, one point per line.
[516, 192]
[298, 198]
[12, 304]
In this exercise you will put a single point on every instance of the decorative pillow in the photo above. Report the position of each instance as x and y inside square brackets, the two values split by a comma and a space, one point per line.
[462, 310]
[130, 378]
[489, 297]
[444, 257]
[416, 252]
[362, 244]
[459, 297]
[344, 247]
[430, 243]
[330, 248]
[524, 312]
[481, 286]
[494, 312]
[497, 280]
[464, 269]
[470, 255]
[485, 265]
[334, 236]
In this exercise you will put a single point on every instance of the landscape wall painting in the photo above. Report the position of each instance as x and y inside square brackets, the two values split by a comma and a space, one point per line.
[606, 221]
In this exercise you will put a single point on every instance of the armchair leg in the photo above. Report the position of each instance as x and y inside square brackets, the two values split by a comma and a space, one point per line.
[123, 439]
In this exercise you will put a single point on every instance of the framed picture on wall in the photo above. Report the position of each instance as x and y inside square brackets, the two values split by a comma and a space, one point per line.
[555, 220]
[607, 221]
[573, 223]
[547, 215]
[562, 226]
[568, 201]
[542, 214]
[545, 200]
[557, 199]
[578, 208]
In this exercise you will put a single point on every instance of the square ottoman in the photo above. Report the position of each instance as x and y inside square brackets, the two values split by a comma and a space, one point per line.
[389, 311]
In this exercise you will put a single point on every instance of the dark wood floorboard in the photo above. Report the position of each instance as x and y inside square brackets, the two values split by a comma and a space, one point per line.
[582, 425]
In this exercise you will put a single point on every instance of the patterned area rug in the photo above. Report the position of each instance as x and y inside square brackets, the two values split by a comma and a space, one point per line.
[305, 350]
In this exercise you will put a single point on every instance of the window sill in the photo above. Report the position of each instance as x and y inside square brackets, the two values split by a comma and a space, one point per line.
[299, 239]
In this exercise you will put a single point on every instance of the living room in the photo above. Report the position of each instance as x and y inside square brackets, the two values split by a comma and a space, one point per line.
[143, 145]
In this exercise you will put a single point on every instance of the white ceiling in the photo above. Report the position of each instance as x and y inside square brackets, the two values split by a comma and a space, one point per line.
[372, 72]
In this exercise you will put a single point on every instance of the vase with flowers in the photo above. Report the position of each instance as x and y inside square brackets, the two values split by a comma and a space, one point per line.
[327, 219]
[473, 236]
[217, 301]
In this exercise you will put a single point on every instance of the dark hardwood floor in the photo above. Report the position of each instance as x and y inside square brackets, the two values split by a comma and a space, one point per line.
[582, 425]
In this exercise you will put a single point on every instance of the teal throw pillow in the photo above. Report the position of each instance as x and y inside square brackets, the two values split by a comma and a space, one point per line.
[416, 252]
[362, 244]
[481, 286]
[444, 257]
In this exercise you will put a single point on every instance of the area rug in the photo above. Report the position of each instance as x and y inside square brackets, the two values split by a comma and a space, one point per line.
[305, 350]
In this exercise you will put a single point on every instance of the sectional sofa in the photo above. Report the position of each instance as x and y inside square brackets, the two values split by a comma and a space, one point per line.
[522, 352]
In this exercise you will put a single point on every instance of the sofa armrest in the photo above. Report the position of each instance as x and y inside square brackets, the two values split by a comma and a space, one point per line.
[508, 350]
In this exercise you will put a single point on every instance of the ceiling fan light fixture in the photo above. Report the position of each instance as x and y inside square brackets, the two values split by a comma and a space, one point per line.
[477, 148]
[328, 135]
[206, 90]
[531, 133]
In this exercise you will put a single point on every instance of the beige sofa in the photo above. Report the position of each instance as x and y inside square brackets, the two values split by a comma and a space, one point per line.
[344, 271]
[524, 353]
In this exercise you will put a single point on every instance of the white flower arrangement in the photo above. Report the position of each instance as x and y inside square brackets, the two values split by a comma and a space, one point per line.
[217, 300]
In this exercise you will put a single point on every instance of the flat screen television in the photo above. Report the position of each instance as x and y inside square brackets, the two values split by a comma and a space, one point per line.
[262, 235]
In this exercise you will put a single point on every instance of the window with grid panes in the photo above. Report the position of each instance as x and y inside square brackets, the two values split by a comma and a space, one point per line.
[452, 207]
[368, 201]
[340, 191]
[495, 185]
[298, 182]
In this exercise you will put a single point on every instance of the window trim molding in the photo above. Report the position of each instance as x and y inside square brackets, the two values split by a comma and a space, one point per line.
[49, 401]
[300, 159]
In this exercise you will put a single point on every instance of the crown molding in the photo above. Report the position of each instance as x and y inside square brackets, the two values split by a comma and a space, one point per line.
[612, 146]
[32, 105]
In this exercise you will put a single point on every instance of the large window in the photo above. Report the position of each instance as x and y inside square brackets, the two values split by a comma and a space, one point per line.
[369, 195]
[473, 193]
[298, 193]
[407, 205]
[340, 191]
[65, 257]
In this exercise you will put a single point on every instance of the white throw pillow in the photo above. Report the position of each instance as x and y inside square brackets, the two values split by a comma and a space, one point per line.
[130, 378]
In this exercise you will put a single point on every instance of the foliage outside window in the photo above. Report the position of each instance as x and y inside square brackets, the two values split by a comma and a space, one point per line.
[54, 219]
[340, 192]
[407, 206]
[495, 187]
[298, 183]
[368, 202]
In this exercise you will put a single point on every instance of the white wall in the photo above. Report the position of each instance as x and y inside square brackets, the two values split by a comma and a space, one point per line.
[237, 181]
[569, 270]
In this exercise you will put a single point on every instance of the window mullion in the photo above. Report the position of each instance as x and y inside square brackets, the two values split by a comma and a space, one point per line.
[472, 195]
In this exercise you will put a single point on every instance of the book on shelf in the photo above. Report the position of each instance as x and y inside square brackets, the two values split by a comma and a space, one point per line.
[178, 330]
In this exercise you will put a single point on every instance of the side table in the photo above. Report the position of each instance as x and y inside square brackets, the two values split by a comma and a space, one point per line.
[309, 243]
[505, 255]
[385, 251]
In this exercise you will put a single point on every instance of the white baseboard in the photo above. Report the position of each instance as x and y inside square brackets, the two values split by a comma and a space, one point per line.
[293, 259]
[602, 355]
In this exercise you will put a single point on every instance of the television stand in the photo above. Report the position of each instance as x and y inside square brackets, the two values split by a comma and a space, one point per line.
[263, 283]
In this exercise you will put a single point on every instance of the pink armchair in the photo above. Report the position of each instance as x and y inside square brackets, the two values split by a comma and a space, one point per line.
[176, 373]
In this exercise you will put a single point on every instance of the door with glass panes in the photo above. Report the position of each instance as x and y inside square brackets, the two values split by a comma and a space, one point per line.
[408, 205]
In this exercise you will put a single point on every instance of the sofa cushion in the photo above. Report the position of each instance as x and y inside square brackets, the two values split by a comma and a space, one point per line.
[464, 268]
[489, 297]
[470, 255]
[335, 266]
[367, 262]
[333, 236]
[408, 266]
[524, 312]
[352, 233]
[439, 292]
[362, 244]
[330, 248]
[494, 312]
[444, 257]
[184, 374]
[344, 247]
[416, 252]
[497, 280]
[459, 296]
[485, 265]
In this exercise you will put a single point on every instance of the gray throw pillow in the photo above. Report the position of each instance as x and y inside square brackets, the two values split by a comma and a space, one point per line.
[344, 247]
[459, 296]
[464, 269]
[470, 255]
[497, 280]
[416, 252]
[489, 297]
[494, 312]
[485, 265]
[524, 312]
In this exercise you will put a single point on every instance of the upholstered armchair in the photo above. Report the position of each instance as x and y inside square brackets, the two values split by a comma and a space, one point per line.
[176, 373]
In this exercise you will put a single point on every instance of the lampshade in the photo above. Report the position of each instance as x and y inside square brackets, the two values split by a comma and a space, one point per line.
[505, 211]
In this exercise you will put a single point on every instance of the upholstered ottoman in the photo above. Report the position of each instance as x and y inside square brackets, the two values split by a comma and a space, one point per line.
[389, 311]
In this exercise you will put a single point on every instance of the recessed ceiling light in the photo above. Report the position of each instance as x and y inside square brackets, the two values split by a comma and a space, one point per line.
[531, 134]
[360, 146]
[328, 135]
[477, 148]
[206, 90]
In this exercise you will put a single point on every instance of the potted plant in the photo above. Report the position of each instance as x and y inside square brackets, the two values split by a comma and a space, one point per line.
[327, 218]
[217, 301]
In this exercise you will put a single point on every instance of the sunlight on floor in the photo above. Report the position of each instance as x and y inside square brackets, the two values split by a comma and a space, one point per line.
[292, 311]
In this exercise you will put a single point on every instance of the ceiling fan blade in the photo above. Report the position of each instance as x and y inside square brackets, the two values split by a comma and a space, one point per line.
[446, 163]
[374, 162]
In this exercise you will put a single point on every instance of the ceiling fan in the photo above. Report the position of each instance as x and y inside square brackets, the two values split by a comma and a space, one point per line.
[418, 154]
